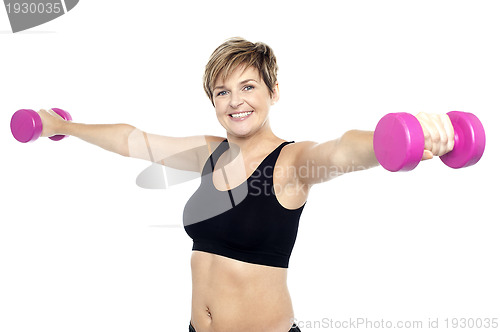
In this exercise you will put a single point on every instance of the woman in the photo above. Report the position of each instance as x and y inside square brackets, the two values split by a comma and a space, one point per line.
[244, 217]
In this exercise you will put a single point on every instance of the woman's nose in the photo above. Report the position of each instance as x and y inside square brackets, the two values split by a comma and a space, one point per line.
[236, 100]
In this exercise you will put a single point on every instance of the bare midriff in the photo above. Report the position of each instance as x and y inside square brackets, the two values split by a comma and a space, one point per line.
[230, 295]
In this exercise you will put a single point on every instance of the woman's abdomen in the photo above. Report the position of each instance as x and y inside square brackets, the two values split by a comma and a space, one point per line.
[229, 295]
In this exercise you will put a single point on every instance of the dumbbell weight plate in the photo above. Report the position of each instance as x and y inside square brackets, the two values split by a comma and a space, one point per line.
[26, 125]
[66, 116]
[399, 142]
[470, 140]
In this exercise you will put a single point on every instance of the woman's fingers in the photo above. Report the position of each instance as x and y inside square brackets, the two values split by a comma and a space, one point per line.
[450, 132]
[438, 134]
[427, 155]
[440, 138]
[49, 121]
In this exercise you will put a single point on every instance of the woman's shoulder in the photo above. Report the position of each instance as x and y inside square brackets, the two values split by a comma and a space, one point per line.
[209, 139]
[296, 148]
[292, 151]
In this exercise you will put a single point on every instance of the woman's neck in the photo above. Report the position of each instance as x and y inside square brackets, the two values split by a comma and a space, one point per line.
[256, 144]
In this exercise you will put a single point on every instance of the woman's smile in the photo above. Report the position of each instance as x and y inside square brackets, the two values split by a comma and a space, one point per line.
[240, 116]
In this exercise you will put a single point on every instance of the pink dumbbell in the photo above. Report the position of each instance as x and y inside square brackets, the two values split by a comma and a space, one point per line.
[399, 141]
[26, 125]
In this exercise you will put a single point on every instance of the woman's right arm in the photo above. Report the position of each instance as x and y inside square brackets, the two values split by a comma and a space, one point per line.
[186, 153]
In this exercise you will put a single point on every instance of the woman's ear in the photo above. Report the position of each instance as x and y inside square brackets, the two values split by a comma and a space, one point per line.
[276, 94]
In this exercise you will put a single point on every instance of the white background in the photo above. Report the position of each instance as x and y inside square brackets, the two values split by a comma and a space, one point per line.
[82, 248]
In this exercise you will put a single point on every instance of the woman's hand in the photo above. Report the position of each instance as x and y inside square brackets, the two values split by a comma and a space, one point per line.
[51, 122]
[438, 133]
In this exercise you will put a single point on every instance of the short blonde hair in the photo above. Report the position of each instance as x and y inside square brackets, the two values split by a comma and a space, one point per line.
[235, 52]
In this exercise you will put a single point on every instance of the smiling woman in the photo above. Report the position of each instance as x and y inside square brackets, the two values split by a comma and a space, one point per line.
[246, 88]
[242, 101]
[235, 52]
[244, 217]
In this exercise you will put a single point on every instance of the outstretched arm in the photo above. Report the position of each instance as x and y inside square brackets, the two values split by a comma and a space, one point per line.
[354, 151]
[320, 162]
[186, 153]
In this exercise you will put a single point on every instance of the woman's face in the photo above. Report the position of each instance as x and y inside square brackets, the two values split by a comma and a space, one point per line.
[242, 102]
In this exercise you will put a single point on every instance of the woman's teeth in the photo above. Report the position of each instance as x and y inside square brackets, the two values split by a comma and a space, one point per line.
[240, 115]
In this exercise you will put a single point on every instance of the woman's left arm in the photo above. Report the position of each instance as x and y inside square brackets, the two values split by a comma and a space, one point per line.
[353, 151]
[320, 162]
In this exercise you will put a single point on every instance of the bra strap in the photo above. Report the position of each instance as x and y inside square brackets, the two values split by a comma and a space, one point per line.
[273, 156]
[209, 166]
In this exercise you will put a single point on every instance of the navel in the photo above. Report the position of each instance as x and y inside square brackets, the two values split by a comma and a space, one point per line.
[209, 314]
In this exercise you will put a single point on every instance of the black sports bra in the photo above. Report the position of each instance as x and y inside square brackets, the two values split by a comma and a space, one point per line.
[246, 223]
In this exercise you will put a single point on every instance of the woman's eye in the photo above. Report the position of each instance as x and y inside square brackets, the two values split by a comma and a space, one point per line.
[245, 88]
